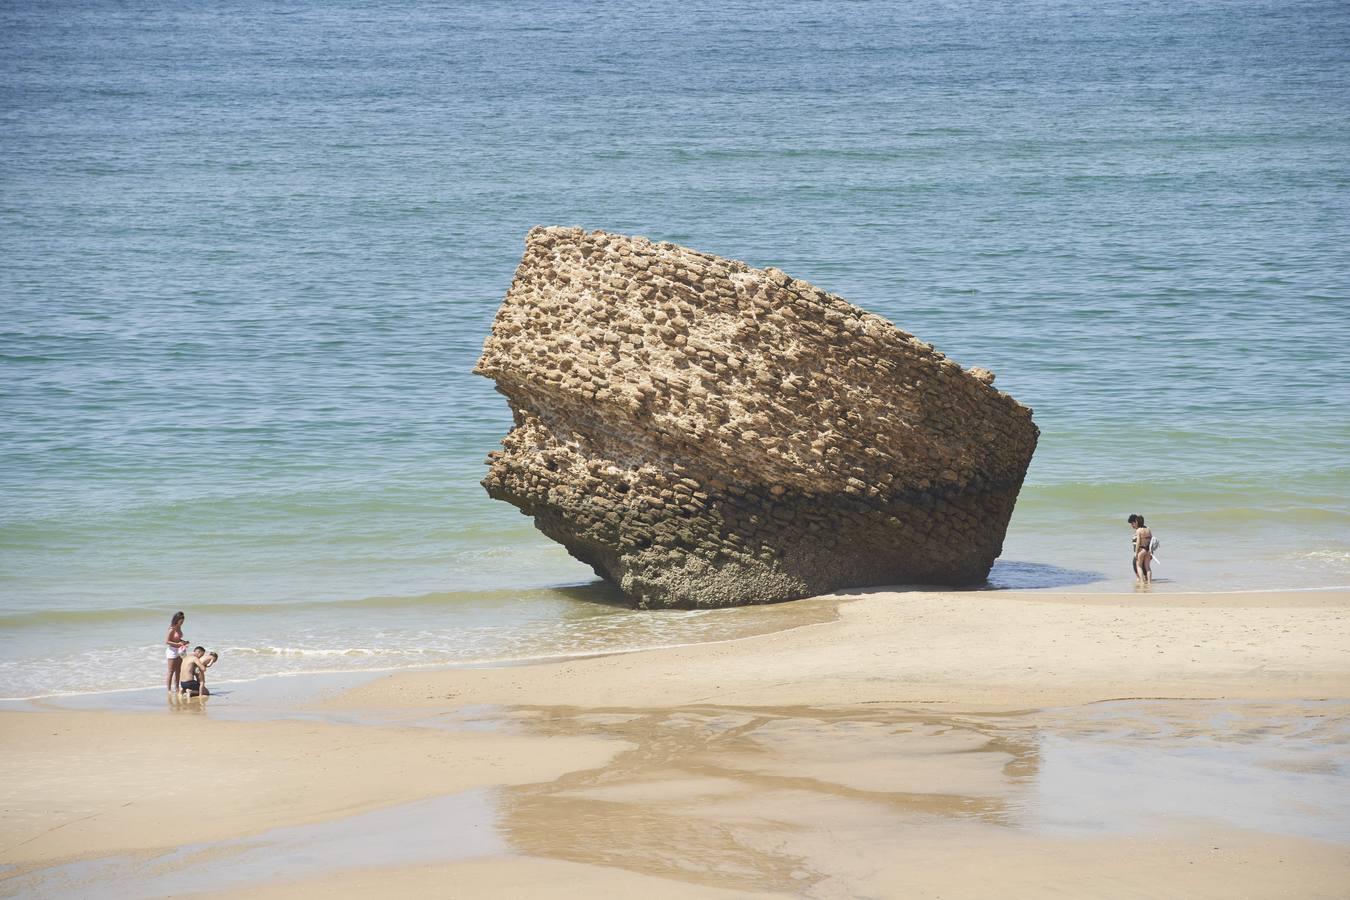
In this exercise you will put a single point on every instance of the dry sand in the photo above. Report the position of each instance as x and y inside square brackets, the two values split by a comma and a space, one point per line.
[904, 750]
[979, 650]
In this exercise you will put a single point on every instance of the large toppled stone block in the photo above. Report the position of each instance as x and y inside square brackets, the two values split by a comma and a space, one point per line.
[707, 434]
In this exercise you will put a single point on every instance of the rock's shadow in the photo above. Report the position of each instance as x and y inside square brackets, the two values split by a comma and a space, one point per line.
[1016, 574]
[603, 593]
[1007, 575]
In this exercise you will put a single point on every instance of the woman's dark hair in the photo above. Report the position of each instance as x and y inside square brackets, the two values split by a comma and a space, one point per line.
[1136, 519]
[177, 617]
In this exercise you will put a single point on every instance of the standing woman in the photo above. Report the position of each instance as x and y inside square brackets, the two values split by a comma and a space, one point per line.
[1143, 555]
[174, 645]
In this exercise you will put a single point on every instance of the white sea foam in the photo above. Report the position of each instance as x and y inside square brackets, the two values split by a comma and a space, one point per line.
[1335, 557]
[478, 662]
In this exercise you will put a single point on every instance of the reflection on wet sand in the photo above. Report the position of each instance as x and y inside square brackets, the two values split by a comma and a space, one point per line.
[784, 799]
[1210, 798]
[183, 703]
[732, 798]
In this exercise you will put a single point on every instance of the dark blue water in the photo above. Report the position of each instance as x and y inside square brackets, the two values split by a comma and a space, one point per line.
[250, 252]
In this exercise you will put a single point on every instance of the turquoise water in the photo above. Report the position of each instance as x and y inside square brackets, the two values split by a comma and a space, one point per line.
[250, 253]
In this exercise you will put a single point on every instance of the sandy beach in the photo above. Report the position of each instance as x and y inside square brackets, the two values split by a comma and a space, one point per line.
[681, 450]
[917, 744]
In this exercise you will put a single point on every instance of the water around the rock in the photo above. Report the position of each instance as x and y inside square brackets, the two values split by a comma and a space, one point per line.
[250, 253]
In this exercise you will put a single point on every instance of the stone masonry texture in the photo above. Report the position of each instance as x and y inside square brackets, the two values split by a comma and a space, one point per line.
[704, 434]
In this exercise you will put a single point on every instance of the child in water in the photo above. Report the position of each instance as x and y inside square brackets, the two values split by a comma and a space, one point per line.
[195, 683]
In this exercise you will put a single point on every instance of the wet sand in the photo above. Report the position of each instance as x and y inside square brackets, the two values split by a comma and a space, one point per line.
[922, 745]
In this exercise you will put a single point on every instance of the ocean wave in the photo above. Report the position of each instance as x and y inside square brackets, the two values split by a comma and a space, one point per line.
[596, 592]
[1337, 558]
[332, 651]
[38, 617]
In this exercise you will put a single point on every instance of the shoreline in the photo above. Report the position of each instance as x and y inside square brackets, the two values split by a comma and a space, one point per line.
[924, 640]
[1049, 594]
[318, 675]
[704, 770]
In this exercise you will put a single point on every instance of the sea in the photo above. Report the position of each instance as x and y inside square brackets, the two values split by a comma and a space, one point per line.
[249, 252]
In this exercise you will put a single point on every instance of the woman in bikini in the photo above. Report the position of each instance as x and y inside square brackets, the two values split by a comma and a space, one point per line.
[174, 645]
[1143, 556]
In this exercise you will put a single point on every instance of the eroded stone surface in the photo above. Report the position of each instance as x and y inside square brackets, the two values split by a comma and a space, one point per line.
[703, 433]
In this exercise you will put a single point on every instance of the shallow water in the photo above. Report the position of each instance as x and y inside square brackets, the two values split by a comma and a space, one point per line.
[251, 253]
[259, 643]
